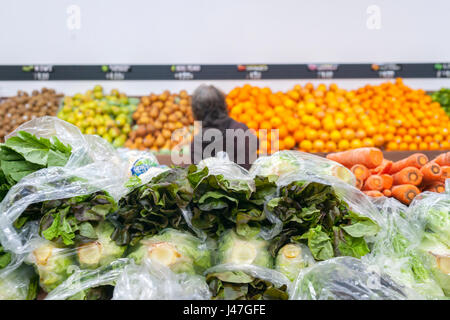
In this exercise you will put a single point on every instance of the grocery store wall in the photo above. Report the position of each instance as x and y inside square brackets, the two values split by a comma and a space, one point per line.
[212, 31]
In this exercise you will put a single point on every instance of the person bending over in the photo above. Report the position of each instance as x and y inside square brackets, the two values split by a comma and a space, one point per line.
[217, 131]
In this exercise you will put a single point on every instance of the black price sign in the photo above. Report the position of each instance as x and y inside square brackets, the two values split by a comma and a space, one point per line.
[386, 71]
[253, 71]
[115, 72]
[323, 71]
[442, 70]
[185, 72]
[39, 72]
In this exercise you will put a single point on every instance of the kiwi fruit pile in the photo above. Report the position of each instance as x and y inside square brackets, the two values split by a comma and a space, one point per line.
[157, 117]
[23, 107]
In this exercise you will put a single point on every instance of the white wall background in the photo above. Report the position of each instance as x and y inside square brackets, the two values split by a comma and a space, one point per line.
[213, 31]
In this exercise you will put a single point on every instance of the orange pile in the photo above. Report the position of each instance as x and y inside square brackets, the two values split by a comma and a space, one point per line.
[321, 119]
[260, 108]
[407, 118]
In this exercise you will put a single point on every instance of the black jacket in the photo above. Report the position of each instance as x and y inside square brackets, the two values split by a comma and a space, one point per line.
[242, 151]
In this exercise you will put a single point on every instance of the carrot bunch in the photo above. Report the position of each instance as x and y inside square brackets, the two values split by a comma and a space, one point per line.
[403, 180]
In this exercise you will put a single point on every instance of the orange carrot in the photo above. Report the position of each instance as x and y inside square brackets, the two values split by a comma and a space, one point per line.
[443, 159]
[359, 183]
[360, 171]
[373, 193]
[384, 167]
[388, 181]
[445, 173]
[387, 192]
[373, 182]
[417, 160]
[408, 175]
[405, 193]
[369, 157]
[431, 172]
[436, 186]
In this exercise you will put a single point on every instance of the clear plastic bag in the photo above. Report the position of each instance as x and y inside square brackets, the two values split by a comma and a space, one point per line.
[17, 281]
[56, 263]
[78, 284]
[141, 164]
[429, 214]
[292, 166]
[395, 250]
[93, 166]
[243, 269]
[287, 162]
[153, 281]
[346, 278]
[292, 258]
[179, 251]
[232, 172]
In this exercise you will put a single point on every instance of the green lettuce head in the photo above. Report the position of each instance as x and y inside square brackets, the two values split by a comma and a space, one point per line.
[180, 251]
[102, 251]
[235, 249]
[18, 284]
[52, 264]
[431, 215]
[291, 258]
[243, 270]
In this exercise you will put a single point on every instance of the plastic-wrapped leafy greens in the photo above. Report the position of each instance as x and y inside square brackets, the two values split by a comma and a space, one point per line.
[24, 153]
[153, 281]
[18, 281]
[292, 258]
[395, 250]
[284, 163]
[90, 284]
[66, 221]
[55, 262]
[430, 215]
[314, 213]
[52, 264]
[226, 196]
[152, 207]
[180, 251]
[316, 203]
[93, 166]
[243, 270]
[346, 278]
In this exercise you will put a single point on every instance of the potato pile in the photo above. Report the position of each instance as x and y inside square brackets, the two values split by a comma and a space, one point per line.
[157, 117]
[23, 107]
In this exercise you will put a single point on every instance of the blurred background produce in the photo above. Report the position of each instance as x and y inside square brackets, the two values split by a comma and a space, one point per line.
[157, 117]
[391, 116]
[94, 112]
[23, 107]
[443, 98]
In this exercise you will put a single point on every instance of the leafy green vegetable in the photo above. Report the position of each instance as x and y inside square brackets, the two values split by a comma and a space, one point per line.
[25, 153]
[102, 251]
[319, 243]
[19, 284]
[443, 98]
[52, 264]
[291, 258]
[5, 258]
[67, 220]
[219, 204]
[312, 212]
[180, 251]
[238, 285]
[257, 289]
[152, 207]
